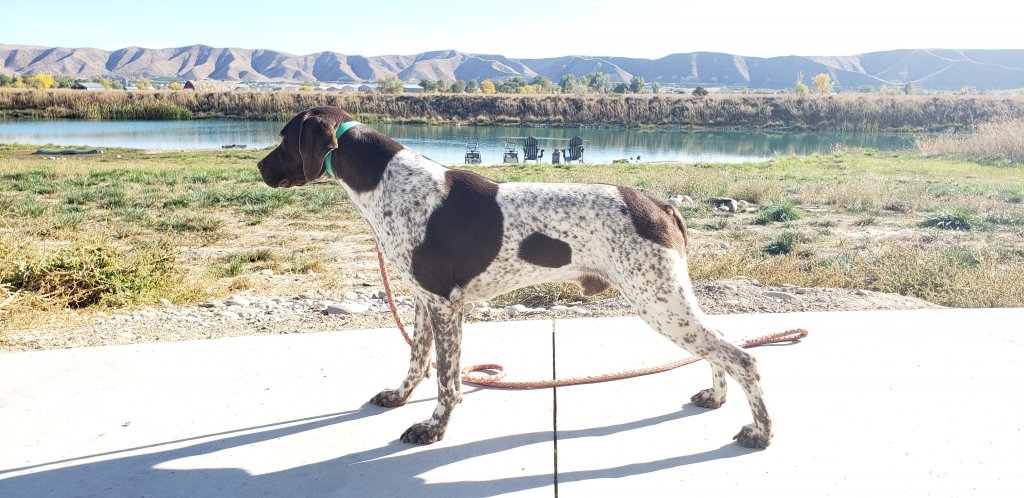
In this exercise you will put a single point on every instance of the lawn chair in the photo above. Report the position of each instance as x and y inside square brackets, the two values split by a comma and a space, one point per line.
[473, 152]
[511, 154]
[575, 152]
[530, 151]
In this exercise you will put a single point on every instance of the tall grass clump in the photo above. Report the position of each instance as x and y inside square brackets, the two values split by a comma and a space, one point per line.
[777, 211]
[78, 276]
[954, 219]
[996, 141]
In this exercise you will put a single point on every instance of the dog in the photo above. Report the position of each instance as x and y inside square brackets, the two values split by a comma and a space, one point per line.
[457, 237]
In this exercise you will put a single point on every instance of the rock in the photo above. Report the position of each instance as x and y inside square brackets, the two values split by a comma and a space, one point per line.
[687, 199]
[861, 292]
[559, 307]
[231, 315]
[166, 302]
[742, 205]
[380, 295]
[580, 310]
[351, 296]
[212, 304]
[267, 271]
[672, 201]
[723, 202]
[516, 309]
[347, 308]
[783, 296]
[237, 301]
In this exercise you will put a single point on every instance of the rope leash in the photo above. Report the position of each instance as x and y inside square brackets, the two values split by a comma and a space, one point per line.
[475, 374]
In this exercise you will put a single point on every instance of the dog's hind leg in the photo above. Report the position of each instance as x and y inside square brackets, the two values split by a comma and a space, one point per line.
[419, 362]
[665, 300]
[446, 320]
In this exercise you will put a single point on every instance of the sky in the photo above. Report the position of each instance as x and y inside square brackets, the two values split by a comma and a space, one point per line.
[520, 28]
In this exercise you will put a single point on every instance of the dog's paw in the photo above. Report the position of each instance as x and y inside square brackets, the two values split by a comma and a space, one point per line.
[423, 433]
[751, 437]
[706, 399]
[388, 398]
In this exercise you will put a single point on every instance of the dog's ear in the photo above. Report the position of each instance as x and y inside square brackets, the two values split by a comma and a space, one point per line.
[316, 138]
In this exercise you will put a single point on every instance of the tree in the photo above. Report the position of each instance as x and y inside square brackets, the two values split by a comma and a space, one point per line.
[568, 83]
[655, 87]
[801, 89]
[473, 86]
[512, 85]
[144, 84]
[822, 83]
[443, 85]
[61, 81]
[428, 85]
[174, 85]
[390, 84]
[543, 84]
[458, 87]
[700, 91]
[39, 81]
[637, 85]
[487, 88]
[306, 87]
[621, 88]
[598, 82]
[909, 88]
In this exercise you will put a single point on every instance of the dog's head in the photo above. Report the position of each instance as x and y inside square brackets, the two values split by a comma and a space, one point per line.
[305, 140]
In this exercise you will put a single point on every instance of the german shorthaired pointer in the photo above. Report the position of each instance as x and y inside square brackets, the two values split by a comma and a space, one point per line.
[457, 237]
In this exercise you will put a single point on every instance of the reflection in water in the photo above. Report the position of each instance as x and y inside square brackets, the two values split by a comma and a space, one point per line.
[446, 143]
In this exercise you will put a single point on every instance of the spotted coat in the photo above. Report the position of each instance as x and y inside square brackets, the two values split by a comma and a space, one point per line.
[456, 236]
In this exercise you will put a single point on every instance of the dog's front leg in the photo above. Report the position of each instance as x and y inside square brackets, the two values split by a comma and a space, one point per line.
[419, 362]
[446, 318]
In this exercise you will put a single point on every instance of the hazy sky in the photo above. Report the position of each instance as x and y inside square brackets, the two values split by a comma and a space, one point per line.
[519, 28]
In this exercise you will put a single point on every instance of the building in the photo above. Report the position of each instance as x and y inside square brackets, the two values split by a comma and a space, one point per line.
[88, 85]
[412, 89]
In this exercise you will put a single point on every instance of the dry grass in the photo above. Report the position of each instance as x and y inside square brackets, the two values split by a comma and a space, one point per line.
[191, 226]
[845, 112]
[1000, 141]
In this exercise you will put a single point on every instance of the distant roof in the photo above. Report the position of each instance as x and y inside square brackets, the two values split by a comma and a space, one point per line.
[87, 85]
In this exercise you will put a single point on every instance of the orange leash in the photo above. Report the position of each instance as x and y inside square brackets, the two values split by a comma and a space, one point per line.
[474, 374]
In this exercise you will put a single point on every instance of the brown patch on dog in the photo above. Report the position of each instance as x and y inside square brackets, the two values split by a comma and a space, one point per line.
[463, 234]
[654, 220]
[362, 156]
[545, 251]
[592, 285]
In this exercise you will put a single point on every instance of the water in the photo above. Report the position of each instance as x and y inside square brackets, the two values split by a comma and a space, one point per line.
[446, 144]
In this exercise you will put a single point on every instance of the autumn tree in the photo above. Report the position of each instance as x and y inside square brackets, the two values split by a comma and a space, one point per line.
[39, 81]
[174, 85]
[144, 84]
[822, 83]
[487, 87]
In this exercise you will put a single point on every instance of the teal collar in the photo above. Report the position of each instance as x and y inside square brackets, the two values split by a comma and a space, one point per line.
[342, 128]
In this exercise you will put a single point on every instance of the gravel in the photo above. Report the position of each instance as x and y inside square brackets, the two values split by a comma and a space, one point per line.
[320, 310]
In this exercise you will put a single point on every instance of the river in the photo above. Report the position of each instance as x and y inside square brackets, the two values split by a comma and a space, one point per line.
[447, 144]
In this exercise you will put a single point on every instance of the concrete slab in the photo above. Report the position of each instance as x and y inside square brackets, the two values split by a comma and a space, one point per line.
[904, 403]
[269, 416]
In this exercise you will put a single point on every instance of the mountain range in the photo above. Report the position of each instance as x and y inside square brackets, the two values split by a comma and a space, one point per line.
[940, 69]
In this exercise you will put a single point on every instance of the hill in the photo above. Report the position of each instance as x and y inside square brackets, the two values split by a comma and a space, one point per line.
[941, 69]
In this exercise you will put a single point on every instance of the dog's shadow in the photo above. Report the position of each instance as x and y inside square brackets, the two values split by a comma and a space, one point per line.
[391, 470]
